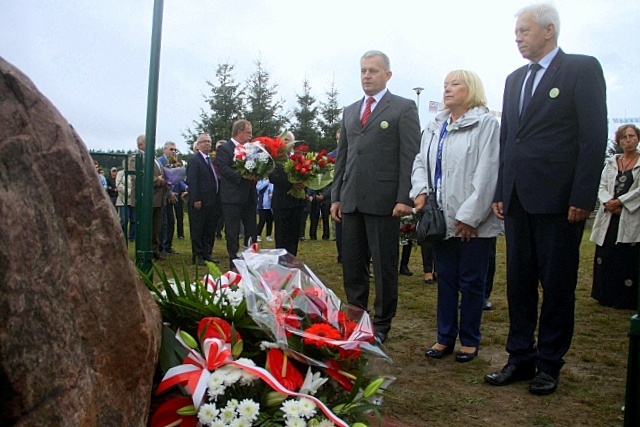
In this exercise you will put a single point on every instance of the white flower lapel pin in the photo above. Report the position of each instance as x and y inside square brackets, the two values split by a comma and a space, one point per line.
[384, 125]
[553, 93]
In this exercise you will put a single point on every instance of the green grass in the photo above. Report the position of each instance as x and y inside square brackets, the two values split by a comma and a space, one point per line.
[444, 393]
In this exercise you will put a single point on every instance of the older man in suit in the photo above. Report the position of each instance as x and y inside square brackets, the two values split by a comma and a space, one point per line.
[204, 203]
[379, 139]
[553, 138]
[238, 193]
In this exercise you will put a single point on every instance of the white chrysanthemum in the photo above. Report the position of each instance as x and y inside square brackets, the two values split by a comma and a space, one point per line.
[207, 413]
[250, 165]
[232, 404]
[295, 422]
[218, 423]
[263, 157]
[240, 422]
[307, 407]
[216, 390]
[312, 382]
[227, 415]
[249, 410]
[291, 408]
[217, 377]
[326, 423]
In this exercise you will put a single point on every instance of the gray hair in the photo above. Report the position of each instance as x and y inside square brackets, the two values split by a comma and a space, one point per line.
[543, 14]
[386, 64]
[169, 144]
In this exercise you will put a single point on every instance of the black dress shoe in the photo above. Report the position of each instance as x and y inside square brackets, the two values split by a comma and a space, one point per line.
[404, 270]
[211, 259]
[200, 260]
[543, 383]
[381, 337]
[438, 354]
[510, 374]
[463, 357]
[488, 305]
[171, 251]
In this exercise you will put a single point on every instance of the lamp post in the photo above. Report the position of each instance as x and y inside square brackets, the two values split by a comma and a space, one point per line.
[418, 91]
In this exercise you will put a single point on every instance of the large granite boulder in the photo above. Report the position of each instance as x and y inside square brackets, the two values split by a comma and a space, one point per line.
[79, 332]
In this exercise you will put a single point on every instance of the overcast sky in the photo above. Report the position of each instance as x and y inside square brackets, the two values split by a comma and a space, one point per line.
[91, 58]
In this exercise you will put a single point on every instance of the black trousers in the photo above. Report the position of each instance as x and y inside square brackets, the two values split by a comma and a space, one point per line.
[234, 215]
[545, 249]
[287, 223]
[321, 210]
[365, 236]
[202, 226]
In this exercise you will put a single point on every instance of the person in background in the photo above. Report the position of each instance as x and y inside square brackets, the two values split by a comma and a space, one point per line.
[112, 189]
[204, 201]
[159, 201]
[101, 178]
[131, 166]
[379, 138]
[287, 210]
[174, 191]
[213, 153]
[553, 136]
[237, 193]
[265, 193]
[616, 229]
[460, 148]
[122, 202]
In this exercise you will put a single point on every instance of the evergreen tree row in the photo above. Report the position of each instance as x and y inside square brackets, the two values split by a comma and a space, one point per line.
[313, 122]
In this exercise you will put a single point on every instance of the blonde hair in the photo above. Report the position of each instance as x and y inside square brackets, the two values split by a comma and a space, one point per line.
[476, 96]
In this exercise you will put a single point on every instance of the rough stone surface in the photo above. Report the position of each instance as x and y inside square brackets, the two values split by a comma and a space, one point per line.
[79, 332]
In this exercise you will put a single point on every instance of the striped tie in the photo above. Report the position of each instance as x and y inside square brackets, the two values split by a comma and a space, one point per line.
[367, 111]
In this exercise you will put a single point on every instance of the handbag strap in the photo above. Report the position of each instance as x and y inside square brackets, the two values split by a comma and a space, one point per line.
[431, 189]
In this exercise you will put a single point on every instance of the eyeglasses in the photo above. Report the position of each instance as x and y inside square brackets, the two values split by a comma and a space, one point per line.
[173, 149]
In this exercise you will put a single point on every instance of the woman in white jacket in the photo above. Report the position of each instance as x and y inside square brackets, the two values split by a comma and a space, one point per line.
[616, 229]
[463, 147]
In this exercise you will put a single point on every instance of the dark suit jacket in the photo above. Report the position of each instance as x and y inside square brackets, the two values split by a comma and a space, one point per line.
[373, 167]
[201, 181]
[554, 154]
[234, 188]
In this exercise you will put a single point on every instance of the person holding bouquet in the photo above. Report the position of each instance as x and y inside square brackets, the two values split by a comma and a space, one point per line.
[379, 138]
[287, 209]
[237, 192]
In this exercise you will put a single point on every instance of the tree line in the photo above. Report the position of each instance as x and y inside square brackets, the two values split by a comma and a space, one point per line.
[312, 121]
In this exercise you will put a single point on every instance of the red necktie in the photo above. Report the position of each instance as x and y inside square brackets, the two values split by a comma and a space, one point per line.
[367, 111]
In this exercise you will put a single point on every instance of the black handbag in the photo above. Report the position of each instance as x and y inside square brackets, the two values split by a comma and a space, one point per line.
[431, 227]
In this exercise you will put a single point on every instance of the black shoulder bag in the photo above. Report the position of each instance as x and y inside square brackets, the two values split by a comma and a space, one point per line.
[431, 226]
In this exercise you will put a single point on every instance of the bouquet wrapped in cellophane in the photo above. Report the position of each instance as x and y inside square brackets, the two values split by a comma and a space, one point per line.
[174, 171]
[313, 170]
[270, 346]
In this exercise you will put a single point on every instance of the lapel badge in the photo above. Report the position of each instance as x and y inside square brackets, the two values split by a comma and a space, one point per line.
[553, 93]
[384, 125]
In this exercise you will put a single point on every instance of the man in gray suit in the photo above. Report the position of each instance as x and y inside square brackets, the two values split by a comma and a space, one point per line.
[379, 139]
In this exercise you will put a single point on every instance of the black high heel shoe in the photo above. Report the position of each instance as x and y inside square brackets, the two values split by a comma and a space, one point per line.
[438, 354]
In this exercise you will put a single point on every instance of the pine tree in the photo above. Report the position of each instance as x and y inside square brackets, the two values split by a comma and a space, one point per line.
[226, 105]
[306, 114]
[263, 111]
[331, 116]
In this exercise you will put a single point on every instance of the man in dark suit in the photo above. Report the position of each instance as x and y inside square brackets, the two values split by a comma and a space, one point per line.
[553, 137]
[379, 139]
[204, 203]
[238, 193]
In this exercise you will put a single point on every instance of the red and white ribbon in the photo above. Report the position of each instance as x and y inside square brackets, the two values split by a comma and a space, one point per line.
[195, 372]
